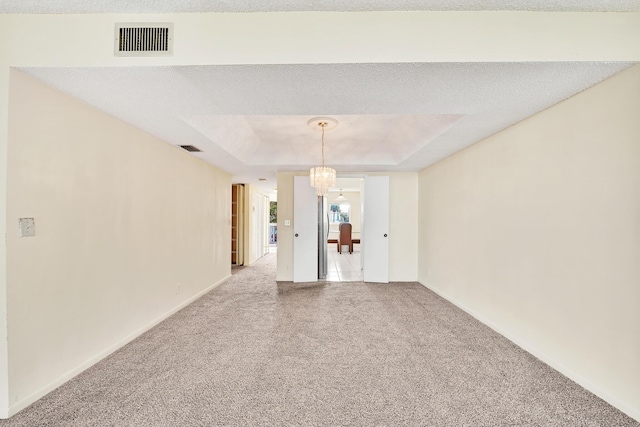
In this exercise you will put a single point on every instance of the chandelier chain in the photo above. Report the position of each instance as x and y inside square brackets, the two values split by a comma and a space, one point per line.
[323, 125]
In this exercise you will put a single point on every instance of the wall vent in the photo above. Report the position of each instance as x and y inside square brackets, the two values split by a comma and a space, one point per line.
[191, 148]
[147, 39]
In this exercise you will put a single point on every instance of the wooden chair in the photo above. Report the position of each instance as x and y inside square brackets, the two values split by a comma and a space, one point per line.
[344, 237]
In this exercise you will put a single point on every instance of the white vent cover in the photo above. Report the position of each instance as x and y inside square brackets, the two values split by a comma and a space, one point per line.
[145, 39]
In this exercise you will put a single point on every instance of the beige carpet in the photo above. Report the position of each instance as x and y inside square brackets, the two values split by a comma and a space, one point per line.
[254, 352]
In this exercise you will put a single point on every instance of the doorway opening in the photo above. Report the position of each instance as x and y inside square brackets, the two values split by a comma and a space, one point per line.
[237, 225]
[344, 261]
[311, 238]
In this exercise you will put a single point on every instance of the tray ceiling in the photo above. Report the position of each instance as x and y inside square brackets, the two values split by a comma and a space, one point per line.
[251, 120]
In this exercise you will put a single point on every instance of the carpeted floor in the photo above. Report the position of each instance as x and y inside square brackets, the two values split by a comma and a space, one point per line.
[254, 352]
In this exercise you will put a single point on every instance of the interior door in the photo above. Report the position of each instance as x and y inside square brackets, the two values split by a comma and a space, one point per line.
[375, 238]
[305, 231]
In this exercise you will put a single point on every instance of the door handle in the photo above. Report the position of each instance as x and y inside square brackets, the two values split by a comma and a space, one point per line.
[296, 234]
[385, 234]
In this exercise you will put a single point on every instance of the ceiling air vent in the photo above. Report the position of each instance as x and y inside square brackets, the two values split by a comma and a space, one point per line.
[147, 39]
[191, 148]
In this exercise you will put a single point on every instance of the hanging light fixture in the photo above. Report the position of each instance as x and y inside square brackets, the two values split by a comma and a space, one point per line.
[341, 198]
[322, 177]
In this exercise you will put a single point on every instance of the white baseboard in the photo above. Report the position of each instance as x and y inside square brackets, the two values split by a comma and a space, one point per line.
[41, 392]
[605, 395]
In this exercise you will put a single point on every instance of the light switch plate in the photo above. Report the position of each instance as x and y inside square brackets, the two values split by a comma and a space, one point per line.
[287, 222]
[27, 227]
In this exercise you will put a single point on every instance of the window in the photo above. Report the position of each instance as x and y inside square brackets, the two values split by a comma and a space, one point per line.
[339, 212]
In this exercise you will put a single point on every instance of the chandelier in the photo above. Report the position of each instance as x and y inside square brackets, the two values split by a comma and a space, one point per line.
[322, 177]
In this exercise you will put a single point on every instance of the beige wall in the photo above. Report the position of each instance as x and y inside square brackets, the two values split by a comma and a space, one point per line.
[285, 233]
[4, 113]
[403, 220]
[535, 231]
[121, 218]
[357, 37]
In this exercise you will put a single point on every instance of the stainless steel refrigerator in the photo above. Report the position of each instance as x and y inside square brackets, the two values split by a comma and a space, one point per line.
[323, 235]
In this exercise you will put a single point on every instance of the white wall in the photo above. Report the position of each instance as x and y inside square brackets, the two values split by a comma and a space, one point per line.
[121, 218]
[403, 220]
[536, 232]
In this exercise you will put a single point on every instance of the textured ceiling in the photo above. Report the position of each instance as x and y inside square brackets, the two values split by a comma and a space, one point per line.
[251, 120]
[382, 139]
[193, 6]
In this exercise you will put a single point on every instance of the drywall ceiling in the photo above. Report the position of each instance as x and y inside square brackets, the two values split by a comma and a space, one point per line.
[251, 120]
[194, 6]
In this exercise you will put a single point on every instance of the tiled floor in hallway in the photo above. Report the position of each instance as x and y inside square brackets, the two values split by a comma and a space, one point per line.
[343, 267]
